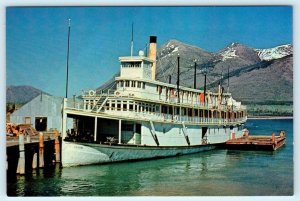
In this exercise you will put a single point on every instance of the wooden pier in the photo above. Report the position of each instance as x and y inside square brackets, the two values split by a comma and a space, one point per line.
[257, 142]
[25, 153]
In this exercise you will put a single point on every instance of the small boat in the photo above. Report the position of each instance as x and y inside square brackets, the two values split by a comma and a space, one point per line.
[142, 118]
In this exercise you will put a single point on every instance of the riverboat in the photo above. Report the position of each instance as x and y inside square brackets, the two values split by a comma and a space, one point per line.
[142, 118]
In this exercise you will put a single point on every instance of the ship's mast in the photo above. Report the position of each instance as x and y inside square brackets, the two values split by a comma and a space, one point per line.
[178, 72]
[195, 76]
[204, 87]
[131, 48]
[228, 80]
[68, 58]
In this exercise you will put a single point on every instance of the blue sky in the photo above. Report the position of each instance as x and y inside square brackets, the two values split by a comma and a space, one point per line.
[36, 38]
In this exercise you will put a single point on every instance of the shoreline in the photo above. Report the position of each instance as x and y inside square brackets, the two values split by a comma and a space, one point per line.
[270, 117]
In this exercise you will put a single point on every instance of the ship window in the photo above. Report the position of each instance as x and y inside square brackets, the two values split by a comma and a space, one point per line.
[206, 113]
[125, 106]
[164, 109]
[153, 108]
[125, 64]
[130, 107]
[113, 106]
[121, 83]
[137, 64]
[143, 85]
[127, 83]
[139, 84]
[132, 83]
[196, 112]
[157, 108]
[170, 110]
[184, 111]
[118, 106]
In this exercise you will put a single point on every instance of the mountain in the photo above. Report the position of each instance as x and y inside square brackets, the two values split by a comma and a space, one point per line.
[21, 94]
[255, 75]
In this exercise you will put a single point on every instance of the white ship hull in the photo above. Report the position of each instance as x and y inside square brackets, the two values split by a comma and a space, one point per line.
[172, 143]
[76, 154]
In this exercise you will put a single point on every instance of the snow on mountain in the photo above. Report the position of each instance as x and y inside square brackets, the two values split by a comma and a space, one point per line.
[170, 48]
[239, 51]
[275, 53]
[229, 52]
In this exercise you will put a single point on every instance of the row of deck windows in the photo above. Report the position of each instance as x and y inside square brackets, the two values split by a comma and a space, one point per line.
[171, 110]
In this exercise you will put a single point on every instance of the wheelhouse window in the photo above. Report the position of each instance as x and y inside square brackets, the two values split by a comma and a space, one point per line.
[131, 64]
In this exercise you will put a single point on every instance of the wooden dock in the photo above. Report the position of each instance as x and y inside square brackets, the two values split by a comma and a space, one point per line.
[33, 153]
[257, 142]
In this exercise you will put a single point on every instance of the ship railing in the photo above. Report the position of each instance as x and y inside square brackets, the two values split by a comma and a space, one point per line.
[185, 102]
[172, 99]
[75, 105]
[147, 115]
[162, 117]
[98, 93]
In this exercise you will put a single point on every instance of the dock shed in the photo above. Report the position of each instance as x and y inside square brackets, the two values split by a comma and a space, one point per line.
[43, 113]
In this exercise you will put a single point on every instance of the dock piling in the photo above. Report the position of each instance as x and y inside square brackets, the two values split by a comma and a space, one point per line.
[57, 147]
[41, 150]
[21, 162]
[34, 161]
[28, 138]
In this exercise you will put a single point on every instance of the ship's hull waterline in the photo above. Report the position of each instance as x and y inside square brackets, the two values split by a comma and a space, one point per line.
[77, 153]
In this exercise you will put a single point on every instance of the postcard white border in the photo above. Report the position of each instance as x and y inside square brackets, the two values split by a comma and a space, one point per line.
[296, 84]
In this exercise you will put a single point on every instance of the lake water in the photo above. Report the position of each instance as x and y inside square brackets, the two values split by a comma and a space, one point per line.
[218, 172]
